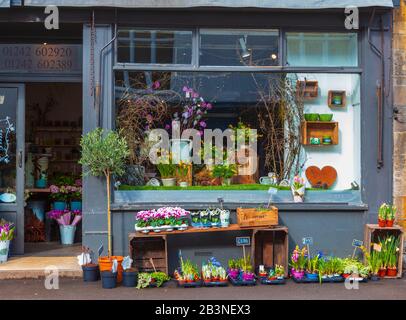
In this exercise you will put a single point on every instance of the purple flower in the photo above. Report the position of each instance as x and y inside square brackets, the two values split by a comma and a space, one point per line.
[203, 124]
[156, 85]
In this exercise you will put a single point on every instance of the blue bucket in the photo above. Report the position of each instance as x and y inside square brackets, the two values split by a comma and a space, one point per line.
[67, 234]
[76, 205]
[59, 205]
[109, 279]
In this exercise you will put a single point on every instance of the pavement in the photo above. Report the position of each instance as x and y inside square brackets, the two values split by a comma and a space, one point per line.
[76, 289]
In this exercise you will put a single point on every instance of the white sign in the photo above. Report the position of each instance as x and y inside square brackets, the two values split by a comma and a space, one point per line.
[41, 58]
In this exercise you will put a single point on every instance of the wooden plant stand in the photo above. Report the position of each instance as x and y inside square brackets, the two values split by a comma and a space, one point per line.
[373, 231]
[269, 246]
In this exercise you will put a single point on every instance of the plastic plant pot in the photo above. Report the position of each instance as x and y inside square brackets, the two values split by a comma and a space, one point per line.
[389, 223]
[106, 263]
[325, 117]
[59, 205]
[4, 248]
[382, 272]
[312, 276]
[381, 223]
[91, 273]
[392, 272]
[375, 277]
[129, 278]
[109, 279]
[76, 205]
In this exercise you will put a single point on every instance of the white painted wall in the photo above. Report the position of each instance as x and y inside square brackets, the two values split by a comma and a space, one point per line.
[344, 157]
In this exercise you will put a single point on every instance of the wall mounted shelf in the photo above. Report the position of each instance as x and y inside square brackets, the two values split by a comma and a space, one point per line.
[318, 129]
[337, 98]
[307, 89]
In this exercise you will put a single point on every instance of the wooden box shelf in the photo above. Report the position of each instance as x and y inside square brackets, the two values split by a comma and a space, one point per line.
[270, 247]
[373, 232]
[318, 129]
[332, 94]
[307, 89]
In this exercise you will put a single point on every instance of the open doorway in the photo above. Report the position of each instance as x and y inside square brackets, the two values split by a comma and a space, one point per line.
[53, 128]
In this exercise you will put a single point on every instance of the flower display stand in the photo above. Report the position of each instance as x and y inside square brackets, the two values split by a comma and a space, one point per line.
[371, 234]
[269, 246]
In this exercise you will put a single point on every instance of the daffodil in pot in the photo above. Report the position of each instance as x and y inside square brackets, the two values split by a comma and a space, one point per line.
[182, 172]
[6, 235]
[167, 170]
[104, 154]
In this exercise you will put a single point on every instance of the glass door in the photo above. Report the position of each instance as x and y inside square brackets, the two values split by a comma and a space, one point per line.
[12, 160]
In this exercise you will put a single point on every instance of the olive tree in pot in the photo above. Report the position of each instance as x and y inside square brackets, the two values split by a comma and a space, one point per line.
[103, 155]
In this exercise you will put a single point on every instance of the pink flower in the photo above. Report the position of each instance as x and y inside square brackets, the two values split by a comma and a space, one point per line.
[54, 189]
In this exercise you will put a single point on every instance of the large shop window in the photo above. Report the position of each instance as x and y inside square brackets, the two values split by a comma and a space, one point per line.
[239, 47]
[154, 46]
[322, 49]
[305, 124]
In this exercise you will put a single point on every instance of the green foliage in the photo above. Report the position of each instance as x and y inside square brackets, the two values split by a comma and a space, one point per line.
[160, 278]
[103, 153]
[313, 264]
[189, 270]
[145, 279]
[166, 170]
[225, 171]
[387, 212]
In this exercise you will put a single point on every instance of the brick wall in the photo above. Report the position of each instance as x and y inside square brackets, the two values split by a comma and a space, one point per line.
[399, 87]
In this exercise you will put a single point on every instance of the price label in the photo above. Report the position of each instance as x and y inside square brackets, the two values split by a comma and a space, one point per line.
[357, 243]
[307, 241]
[242, 241]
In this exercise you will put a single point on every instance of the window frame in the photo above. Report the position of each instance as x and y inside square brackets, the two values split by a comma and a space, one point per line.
[281, 67]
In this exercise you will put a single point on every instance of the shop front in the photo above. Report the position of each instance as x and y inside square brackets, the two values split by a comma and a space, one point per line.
[317, 94]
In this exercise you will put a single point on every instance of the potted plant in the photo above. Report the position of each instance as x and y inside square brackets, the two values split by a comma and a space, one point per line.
[75, 195]
[261, 271]
[104, 154]
[312, 271]
[246, 269]
[109, 277]
[224, 218]
[167, 171]
[225, 172]
[213, 272]
[390, 249]
[298, 262]
[279, 272]
[214, 217]
[67, 221]
[382, 212]
[233, 269]
[182, 172]
[90, 270]
[298, 189]
[154, 279]
[195, 219]
[204, 218]
[59, 195]
[187, 274]
[6, 235]
[390, 215]
[129, 273]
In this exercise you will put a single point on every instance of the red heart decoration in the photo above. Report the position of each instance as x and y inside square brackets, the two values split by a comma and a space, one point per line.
[323, 178]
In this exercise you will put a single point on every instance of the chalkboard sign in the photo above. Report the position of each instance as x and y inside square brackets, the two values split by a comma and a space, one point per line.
[242, 241]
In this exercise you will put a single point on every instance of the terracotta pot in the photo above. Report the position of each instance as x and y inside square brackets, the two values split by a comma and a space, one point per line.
[382, 272]
[389, 223]
[106, 263]
[382, 223]
[392, 272]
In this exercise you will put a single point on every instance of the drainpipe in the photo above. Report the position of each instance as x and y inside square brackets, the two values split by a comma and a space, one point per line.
[99, 87]
[380, 87]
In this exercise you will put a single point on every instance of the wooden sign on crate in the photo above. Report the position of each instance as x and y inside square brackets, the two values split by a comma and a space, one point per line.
[257, 217]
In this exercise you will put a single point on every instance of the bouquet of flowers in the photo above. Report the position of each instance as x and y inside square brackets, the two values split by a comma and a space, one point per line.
[66, 217]
[298, 189]
[6, 230]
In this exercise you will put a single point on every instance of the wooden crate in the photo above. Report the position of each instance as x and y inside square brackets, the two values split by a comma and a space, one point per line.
[270, 247]
[373, 231]
[332, 93]
[142, 249]
[254, 217]
[318, 129]
[307, 89]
